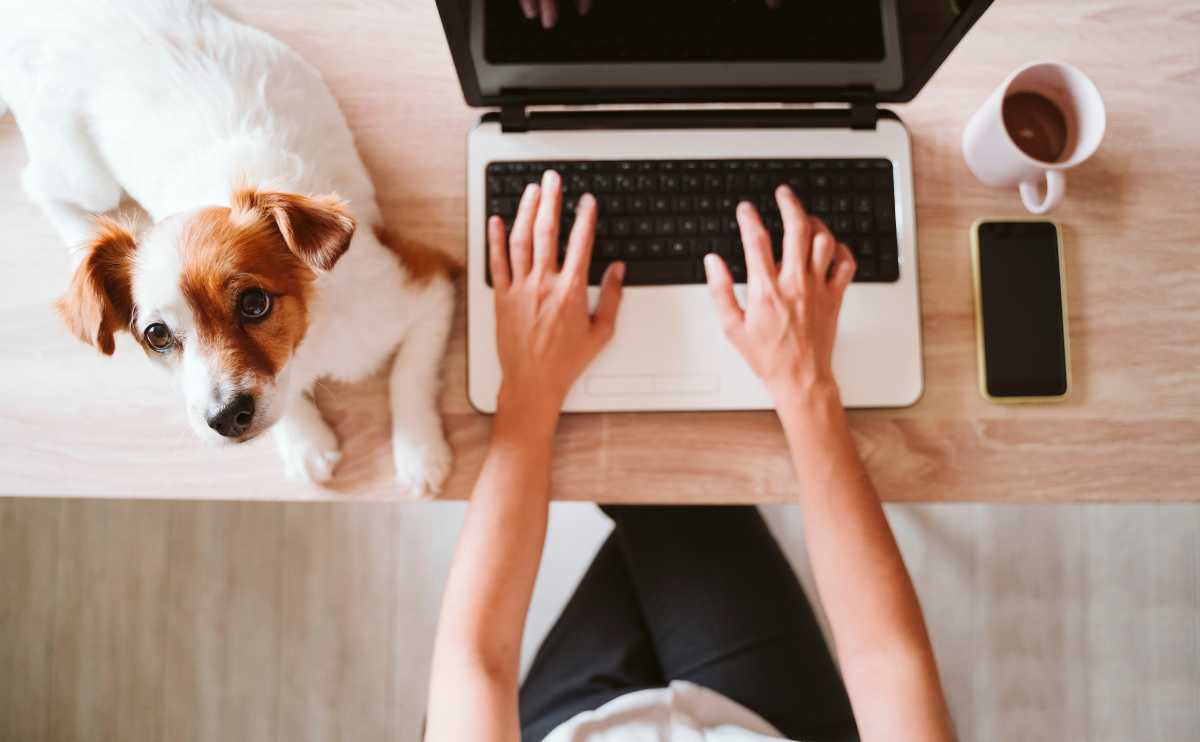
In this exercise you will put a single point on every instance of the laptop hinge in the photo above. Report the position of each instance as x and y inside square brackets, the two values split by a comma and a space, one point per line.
[863, 115]
[513, 118]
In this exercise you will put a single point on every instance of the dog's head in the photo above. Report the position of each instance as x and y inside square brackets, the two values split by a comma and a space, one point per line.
[220, 295]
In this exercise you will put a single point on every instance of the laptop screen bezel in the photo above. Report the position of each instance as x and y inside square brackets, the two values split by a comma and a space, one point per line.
[455, 25]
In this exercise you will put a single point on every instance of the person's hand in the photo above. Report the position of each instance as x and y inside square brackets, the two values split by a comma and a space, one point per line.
[544, 333]
[787, 328]
[547, 10]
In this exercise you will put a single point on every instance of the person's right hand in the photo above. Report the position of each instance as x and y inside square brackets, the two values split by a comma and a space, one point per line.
[787, 329]
[547, 10]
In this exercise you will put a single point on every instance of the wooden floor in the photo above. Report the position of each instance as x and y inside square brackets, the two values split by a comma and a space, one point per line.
[259, 622]
[75, 423]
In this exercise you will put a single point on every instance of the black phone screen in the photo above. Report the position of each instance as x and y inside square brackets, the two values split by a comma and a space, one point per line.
[1022, 309]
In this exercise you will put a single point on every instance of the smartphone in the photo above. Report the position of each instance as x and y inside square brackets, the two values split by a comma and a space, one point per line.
[1020, 310]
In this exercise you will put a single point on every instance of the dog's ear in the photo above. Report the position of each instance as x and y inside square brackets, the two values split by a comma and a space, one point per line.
[100, 299]
[316, 230]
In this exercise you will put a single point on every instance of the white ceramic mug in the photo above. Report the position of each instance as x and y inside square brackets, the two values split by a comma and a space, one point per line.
[996, 159]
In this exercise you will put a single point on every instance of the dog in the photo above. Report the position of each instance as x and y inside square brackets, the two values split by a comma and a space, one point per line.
[264, 268]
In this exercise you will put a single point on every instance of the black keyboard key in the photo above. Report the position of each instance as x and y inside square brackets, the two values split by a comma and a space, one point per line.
[653, 250]
[679, 248]
[660, 204]
[602, 183]
[668, 183]
[665, 225]
[690, 183]
[638, 204]
[868, 269]
[622, 228]
[612, 205]
[689, 225]
[653, 272]
[505, 207]
[682, 204]
[608, 249]
[634, 250]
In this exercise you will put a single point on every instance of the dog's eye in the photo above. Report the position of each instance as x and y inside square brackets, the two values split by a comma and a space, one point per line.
[254, 304]
[158, 336]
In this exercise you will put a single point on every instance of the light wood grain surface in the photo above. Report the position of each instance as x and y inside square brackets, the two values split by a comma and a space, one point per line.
[74, 423]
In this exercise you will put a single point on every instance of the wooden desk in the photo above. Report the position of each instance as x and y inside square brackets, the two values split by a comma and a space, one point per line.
[75, 423]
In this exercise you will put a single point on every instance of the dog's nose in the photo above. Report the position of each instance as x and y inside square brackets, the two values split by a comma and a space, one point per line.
[234, 419]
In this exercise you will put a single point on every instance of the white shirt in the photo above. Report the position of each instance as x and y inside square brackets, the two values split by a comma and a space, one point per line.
[683, 712]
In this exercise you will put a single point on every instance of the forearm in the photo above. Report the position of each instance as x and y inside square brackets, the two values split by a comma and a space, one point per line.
[878, 629]
[477, 650]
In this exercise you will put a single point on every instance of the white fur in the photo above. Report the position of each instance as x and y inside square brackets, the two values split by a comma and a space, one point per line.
[174, 104]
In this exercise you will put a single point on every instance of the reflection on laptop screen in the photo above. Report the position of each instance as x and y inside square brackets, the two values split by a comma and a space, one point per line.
[625, 31]
[857, 47]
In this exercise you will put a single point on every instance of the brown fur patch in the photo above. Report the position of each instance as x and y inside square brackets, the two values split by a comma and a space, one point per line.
[225, 254]
[421, 262]
[317, 230]
[100, 300]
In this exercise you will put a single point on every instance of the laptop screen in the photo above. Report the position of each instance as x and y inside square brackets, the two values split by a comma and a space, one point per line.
[715, 50]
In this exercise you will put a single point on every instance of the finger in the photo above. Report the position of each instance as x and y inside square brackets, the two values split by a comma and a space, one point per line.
[818, 225]
[756, 243]
[843, 272]
[583, 236]
[498, 254]
[797, 232]
[604, 321]
[584, 6]
[545, 225]
[720, 285]
[549, 14]
[824, 249]
[529, 8]
[520, 240]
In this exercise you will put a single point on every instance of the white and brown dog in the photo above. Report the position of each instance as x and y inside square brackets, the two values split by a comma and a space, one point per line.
[253, 281]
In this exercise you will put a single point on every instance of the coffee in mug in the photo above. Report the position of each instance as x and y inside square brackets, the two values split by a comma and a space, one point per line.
[1045, 118]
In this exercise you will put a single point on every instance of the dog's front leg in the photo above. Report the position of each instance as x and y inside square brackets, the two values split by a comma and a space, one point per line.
[307, 444]
[419, 446]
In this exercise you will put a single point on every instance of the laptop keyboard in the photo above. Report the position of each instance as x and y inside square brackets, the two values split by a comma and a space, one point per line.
[661, 217]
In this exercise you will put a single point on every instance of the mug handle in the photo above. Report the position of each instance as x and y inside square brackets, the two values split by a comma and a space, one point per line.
[1056, 188]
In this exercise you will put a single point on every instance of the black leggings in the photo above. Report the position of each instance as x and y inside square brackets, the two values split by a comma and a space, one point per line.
[702, 594]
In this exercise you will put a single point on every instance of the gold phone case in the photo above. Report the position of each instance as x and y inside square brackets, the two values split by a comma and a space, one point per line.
[1062, 291]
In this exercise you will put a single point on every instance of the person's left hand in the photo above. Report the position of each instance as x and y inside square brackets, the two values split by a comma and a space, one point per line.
[544, 334]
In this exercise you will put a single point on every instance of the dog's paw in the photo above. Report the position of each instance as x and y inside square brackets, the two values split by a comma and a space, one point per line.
[310, 457]
[422, 466]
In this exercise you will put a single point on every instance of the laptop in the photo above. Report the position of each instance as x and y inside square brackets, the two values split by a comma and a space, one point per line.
[790, 92]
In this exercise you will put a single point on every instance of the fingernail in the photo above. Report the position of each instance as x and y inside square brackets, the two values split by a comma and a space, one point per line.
[710, 262]
[619, 272]
[587, 199]
[550, 179]
[530, 189]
